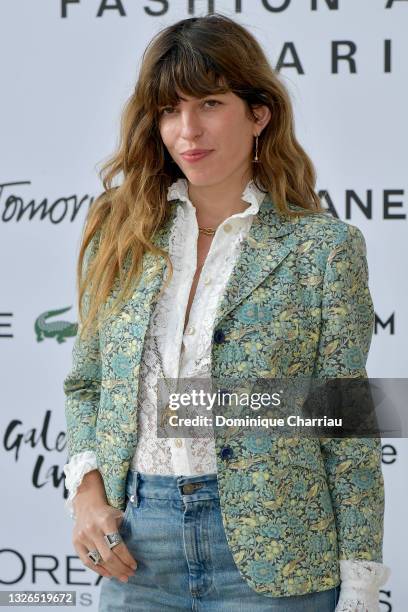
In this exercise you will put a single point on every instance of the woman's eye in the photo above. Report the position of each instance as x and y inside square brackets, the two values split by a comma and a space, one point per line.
[170, 108]
[216, 101]
[167, 108]
[163, 110]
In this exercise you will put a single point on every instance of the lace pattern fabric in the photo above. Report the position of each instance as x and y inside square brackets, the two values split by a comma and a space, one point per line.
[74, 471]
[193, 455]
[360, 583]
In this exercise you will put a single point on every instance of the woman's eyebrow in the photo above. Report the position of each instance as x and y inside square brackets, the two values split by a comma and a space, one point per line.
[202, 98]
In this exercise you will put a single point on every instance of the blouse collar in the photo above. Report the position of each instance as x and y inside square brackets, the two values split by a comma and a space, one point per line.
[251, 194]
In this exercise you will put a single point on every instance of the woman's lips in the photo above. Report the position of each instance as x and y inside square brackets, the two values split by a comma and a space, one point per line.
[196, 157]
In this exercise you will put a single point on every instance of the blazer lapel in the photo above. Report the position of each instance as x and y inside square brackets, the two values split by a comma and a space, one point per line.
[260, 254]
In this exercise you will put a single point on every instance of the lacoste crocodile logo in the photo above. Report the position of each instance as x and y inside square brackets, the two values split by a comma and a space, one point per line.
[54, 329]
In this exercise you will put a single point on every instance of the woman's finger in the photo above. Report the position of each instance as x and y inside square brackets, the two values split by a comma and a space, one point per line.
[117, 559]
[84, 542]
[82, 551]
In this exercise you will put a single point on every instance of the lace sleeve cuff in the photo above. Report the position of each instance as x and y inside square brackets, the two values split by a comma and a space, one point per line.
[360, 583]
[74, 471]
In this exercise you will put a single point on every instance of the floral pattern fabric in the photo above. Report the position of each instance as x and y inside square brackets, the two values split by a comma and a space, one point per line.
[297, 303]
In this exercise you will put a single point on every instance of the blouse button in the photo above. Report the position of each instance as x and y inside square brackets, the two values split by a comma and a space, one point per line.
[178, 442]
[207, 280]
[227, 227]
[191, 329]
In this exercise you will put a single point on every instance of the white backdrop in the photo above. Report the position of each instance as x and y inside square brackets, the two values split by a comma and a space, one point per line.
[66, 71]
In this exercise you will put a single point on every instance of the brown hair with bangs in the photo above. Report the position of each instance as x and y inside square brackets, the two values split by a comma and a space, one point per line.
[199, 56]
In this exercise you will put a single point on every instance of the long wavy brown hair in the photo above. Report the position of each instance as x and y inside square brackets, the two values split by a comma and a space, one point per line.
[199, 56]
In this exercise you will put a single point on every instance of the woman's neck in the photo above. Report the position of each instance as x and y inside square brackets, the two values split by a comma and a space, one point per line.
[215, 203]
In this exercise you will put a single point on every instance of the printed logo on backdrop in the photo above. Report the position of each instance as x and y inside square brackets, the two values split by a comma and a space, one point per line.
[58, 329]
[389, 454]
[389, 323]
[343, 52]
[40, 568]
[385, 601]
[37, 442]
[104, 8]
[354, 201]
[15, 207]
[48, 571]
[5, 324]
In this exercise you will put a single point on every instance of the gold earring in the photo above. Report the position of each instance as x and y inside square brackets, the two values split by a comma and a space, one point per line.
[256, 160]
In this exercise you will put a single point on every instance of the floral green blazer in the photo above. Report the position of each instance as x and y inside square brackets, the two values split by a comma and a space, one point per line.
[296, 303]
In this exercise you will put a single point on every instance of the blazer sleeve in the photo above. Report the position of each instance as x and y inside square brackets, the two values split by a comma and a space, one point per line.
[82, 385]
[353, 465]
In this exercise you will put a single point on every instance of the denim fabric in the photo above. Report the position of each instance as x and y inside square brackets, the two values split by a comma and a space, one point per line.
[177, 537]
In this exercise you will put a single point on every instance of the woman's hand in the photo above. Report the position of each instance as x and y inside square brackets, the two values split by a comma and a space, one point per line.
[94, 519]
[93, 522]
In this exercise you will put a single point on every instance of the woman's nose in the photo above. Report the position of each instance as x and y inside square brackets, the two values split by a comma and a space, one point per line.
[190, 124]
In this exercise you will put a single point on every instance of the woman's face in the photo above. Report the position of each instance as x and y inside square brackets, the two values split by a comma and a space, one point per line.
[217, 123]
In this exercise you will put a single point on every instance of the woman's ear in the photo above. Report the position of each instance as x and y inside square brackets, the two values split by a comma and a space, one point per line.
[262, 116]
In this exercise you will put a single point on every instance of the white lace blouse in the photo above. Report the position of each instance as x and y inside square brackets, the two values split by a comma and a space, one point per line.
[187, 354]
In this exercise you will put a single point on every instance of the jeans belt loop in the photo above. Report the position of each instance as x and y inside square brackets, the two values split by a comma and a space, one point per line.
[134, 498]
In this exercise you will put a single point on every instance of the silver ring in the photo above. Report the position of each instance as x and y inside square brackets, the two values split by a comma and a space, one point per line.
[95, 556]
[113, 539]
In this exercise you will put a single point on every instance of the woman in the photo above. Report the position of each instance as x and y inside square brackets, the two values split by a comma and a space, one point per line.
[261, 283]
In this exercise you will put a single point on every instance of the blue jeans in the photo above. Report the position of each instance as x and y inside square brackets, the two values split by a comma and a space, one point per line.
[175, 533]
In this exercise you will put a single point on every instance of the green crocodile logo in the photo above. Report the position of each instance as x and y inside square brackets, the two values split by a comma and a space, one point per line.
[54, 329]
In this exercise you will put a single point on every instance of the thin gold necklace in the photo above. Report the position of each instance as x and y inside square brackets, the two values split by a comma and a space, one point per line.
[208, 231]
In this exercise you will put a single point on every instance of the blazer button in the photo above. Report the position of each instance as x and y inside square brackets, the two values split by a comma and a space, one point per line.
[219, 336]
[226, 452]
